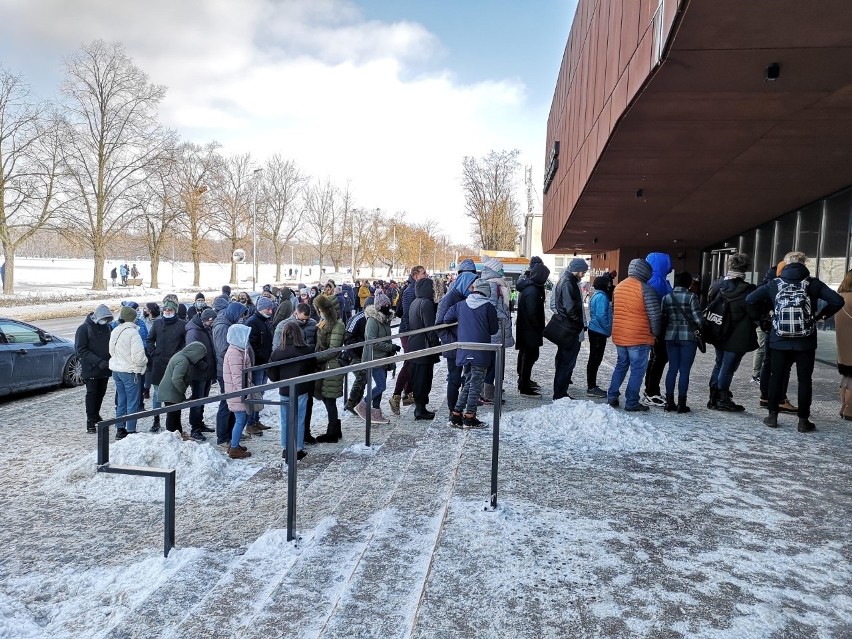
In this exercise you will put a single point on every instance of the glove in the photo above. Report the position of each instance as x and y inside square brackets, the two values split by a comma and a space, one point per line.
[397, 348]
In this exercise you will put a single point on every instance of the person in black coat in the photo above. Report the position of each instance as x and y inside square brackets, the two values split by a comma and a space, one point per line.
[91, 341]
[742, 338]
[292, 346]
[421, 314]
[203, 372]
[789, 350]
[166, 337]
[260, 340]
[529, 326]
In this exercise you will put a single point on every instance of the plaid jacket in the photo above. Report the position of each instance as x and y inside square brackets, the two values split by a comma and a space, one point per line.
[681, 314]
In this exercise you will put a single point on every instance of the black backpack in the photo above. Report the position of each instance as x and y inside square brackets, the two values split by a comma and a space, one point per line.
[354, 334]
[716, 325]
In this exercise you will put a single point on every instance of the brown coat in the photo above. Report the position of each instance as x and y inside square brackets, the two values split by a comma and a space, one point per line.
[843, 334]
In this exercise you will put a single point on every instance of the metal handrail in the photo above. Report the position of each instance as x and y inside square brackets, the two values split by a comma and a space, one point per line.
[291, 383]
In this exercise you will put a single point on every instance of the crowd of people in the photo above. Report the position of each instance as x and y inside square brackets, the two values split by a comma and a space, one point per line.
[162, 351]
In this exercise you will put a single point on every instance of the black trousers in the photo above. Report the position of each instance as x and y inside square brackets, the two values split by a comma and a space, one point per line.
[421, 381]
[656, 366]
[597, 346]
[782, 362]
[200, 390]
[356, 392]
[95, 391]
[172, 419]
[527, 357]
[766, 374]
[331, 409]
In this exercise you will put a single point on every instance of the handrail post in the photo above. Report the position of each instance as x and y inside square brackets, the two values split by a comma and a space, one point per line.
[369, 391]
[103, 444]
[292, 425]
[169, 524]
[498, 409]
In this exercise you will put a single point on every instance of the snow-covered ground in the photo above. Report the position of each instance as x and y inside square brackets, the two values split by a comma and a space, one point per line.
[608, 524]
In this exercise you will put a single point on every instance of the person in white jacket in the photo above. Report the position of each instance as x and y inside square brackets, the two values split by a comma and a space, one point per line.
[127, 363]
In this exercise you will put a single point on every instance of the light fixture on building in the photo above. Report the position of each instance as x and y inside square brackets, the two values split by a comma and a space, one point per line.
[773, 71]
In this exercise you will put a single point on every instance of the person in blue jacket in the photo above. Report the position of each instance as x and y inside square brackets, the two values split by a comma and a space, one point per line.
[458, 291]
[477, 322]
[661, 266]
[600, 328]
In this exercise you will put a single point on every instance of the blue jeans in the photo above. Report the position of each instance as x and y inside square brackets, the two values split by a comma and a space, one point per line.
[240, 418]
[283, 411]
[727, 364]
[474, 378]
[636, 359]
[127, 389]
[566, 359]
[380, 381]
[454, 381]
[681, 356]
[257, 378]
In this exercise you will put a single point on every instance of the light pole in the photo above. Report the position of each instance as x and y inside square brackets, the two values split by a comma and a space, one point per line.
[255, 175]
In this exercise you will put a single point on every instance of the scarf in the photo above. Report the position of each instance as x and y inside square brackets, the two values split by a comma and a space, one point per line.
[732, 275]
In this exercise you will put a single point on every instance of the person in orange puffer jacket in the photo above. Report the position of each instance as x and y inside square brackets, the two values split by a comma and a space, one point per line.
[636, 322]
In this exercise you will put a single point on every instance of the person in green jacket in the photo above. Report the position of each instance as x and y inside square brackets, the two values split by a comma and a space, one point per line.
[175, 382]
[330, 334]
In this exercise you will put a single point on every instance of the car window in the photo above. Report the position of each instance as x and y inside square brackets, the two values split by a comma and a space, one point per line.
[19, 333]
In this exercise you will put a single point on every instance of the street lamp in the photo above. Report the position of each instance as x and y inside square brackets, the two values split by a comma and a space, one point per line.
[255, 175]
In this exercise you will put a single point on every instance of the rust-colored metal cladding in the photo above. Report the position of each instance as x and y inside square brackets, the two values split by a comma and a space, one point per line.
[695, 120]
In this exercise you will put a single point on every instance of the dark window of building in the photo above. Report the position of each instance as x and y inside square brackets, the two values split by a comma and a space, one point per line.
[747, 247]
[763, 252]
[835, 248]
[810, 222]
[785, 236]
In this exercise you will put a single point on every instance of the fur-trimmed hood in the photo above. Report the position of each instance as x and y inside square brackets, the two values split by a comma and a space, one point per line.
[326, 306]
[376, 314]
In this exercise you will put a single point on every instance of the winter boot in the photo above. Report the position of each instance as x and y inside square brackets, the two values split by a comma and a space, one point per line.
[724, 402]
[332, 435]
[407, 399]
[488, 392]
[361, 409]
[681, 404]
[238, 453]
[714, 395]
[376, 417]
[670, 404]
[309, 439]
[91, 427]
[155, 427]
[121, 433]
[349, 407]
[805, 425]
[394, 403]
[421, 413]
[456, 420]
[771, 420]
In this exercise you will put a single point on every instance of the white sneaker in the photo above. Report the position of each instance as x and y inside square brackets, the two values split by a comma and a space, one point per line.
[654, 401]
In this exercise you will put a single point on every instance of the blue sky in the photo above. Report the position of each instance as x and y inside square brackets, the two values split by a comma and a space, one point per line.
[387, 96]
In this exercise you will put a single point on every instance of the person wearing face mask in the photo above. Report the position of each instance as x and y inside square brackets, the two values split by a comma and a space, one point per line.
[244, 299]
[167, 337]
[307, 325]
[91, 342]
[260, 340]
[202, 373]
[127, 363]
[198, 306]
[149, 314]
[378, 326]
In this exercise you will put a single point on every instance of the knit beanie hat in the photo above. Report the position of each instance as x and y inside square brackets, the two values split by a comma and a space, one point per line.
[199, 296]
[127, 314]
[264, 303]
[208, 314]
[170, 305]
[493, 263]
[578, 265]
[381, 300]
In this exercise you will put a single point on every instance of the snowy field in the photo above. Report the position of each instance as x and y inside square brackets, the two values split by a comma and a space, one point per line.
[706, 525]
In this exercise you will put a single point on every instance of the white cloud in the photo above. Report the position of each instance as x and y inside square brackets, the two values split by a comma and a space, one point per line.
[311, 79]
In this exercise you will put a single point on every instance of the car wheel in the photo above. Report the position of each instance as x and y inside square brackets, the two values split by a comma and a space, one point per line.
[73, 375]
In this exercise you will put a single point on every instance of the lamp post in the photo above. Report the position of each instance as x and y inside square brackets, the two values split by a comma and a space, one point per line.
[255, 175]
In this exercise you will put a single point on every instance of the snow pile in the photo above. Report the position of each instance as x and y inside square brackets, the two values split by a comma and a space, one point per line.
[196, 465]
[362, 449]
[585, 426]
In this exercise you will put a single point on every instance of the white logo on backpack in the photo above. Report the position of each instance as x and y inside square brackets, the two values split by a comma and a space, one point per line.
[793, 315]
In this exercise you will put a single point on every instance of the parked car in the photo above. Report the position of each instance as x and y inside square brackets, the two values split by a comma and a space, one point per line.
[31, 358]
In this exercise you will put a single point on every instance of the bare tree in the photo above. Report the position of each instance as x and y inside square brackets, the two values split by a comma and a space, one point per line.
[282, 190]
[489, 190]
[235, 195]
[196, 168]
[322, 217]
[340, 233]
[29, 168]
[113, 137]
[360, 231]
